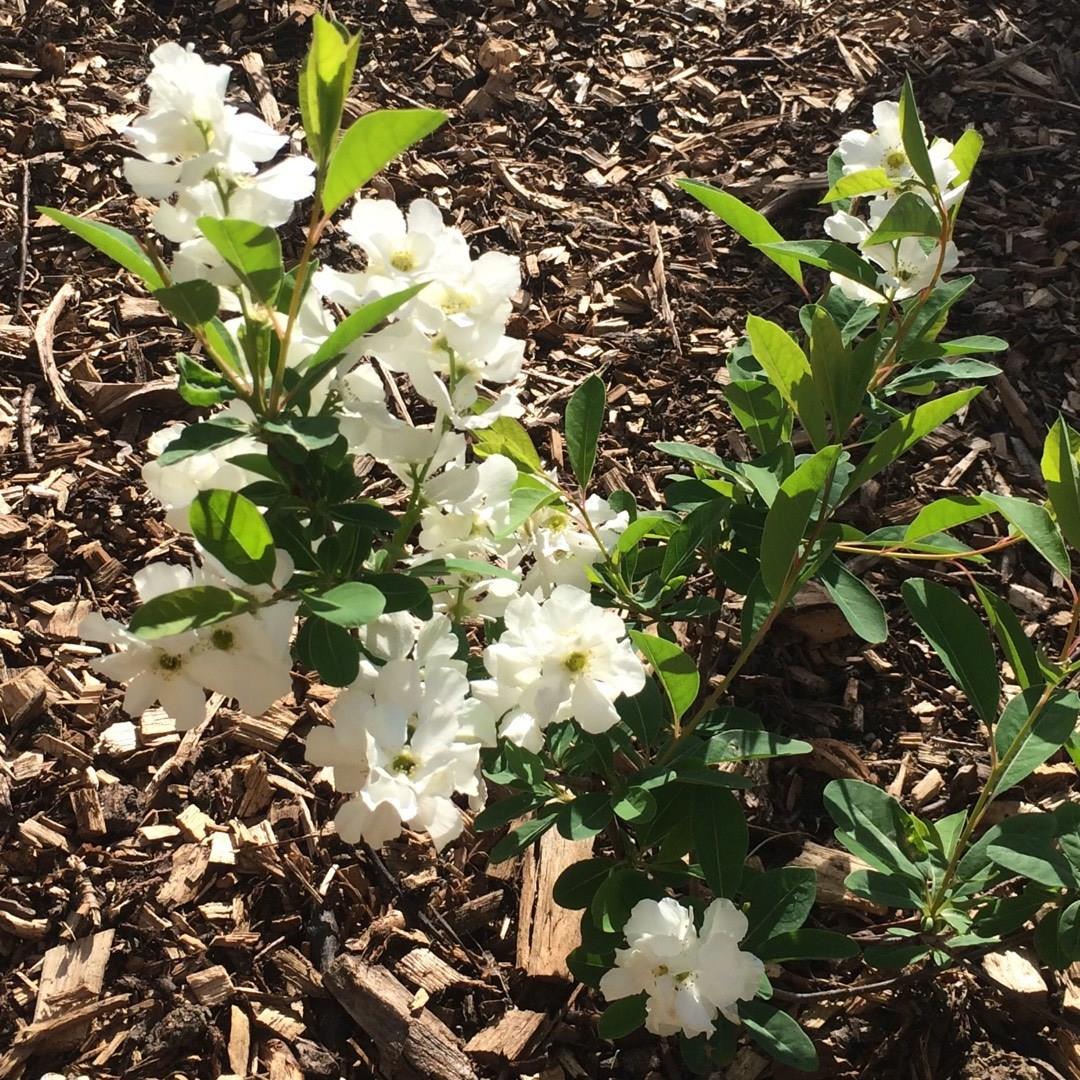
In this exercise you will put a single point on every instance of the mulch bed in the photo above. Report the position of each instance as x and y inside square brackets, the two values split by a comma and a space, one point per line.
[173, 906]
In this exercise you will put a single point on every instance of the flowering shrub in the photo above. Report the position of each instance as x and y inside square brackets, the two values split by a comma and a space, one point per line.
[504, 639]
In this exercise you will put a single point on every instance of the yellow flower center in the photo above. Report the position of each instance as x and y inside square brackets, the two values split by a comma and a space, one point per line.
[576, 662]
[404, 762]
[223, 639]
[169, 662]
[895, 160]
[403, 261]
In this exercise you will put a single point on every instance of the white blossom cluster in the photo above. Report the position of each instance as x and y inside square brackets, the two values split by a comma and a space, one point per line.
[689, 975]
[405, 745]
[909, 265]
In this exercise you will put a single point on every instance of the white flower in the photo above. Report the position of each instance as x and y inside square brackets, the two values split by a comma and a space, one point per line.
[468, 508]
[563, 549]
[883, 148]
[406, 747]
[562, 659]
[726, 974]
[175, 486]
[688, 976]
[153, 671]
[907, 266]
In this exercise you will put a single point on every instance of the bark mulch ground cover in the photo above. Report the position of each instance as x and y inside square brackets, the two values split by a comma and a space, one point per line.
[174, 906]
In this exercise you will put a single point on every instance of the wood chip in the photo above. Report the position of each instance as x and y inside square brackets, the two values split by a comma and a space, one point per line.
[509, 1037]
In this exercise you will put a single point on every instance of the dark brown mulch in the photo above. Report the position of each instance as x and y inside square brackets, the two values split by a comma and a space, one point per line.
[570, 122]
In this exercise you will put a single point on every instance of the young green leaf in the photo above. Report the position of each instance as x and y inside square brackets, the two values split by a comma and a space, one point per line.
[353, 603]
[965, 154]
[751, 745]
[860, 605]
[1036, 526]
[506, 436]
[584, 418]
[909, 215]
[325, 78]
[858, 183]
[330, 650]
[1011, 637]
[745, 220]
[1029, 732]
[115, 243]
[186, 609]
[253, 252]
[518, 839]
[369, 145]
[759, 410]
[199, 385]
[944, 514]
[960, 640]
[829, 255]
[886, 889]
[788, 517]
[904, 433]
[232, 529]
[778, 1035]
[806, 943]
[872, 825]
[777, 901]
[720, 841]
[192, 302]
[622, 1017]
[1061, 471]
[676, 671]
[911, 132]
[789, 371]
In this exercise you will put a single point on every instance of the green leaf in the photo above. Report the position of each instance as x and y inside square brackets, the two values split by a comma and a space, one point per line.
[743, 745]
[325, 78]
[1023, 743]
[778, 1035]
[759, 410]
[676, 670]
[745, 220]
[369, 145]
[577, 884]
[806, 944]
[622, 1017]
[497, 814]
[584, 418]
[720, 841]
[232, 529]
[858, 183]
[1011, 637]
[585, 816]
[944, 514]
[199, 385]
[1026, 847]
[1069, 933]
[185, 609]
[886, 889]
[960, 640]
[253, 252]
[777, 901]
[192, 302]
[643, 713]
[331, 650]
[894, 957]
[829, 255]
[911, 132]
[904, 433]
[506, 436]
[517, 840]
[909, 215]
[789, 371]
[965, 154]
[636, 804]
[1036, 526]
[347, 331]
[367, 515]
[353, 603]
[788, 517]
[872, 825]
[222, 346]
[861, 607]
[115, 243]
[1061, 471]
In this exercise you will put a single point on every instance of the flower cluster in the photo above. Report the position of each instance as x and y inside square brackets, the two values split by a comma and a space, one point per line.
[911, 263]
[689, 975]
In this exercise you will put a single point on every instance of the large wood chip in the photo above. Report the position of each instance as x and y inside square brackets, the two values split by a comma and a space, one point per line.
[547, 933]
[410, 1044]
[509, 1037]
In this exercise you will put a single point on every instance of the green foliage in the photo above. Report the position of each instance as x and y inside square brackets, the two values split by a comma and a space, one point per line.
[112, 242]
[584, 418]
[231, 528]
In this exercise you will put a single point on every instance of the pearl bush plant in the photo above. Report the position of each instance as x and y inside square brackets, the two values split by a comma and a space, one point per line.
[504, 638]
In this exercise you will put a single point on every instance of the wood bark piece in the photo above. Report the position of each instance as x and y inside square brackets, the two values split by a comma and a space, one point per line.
[547, 933]
[411, 1045]
[1016, 971]
[424, 969]
[43, 339]
[212, 986]
[832, 868]
[509, 1037]
[239, 1041]
[72, 975]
